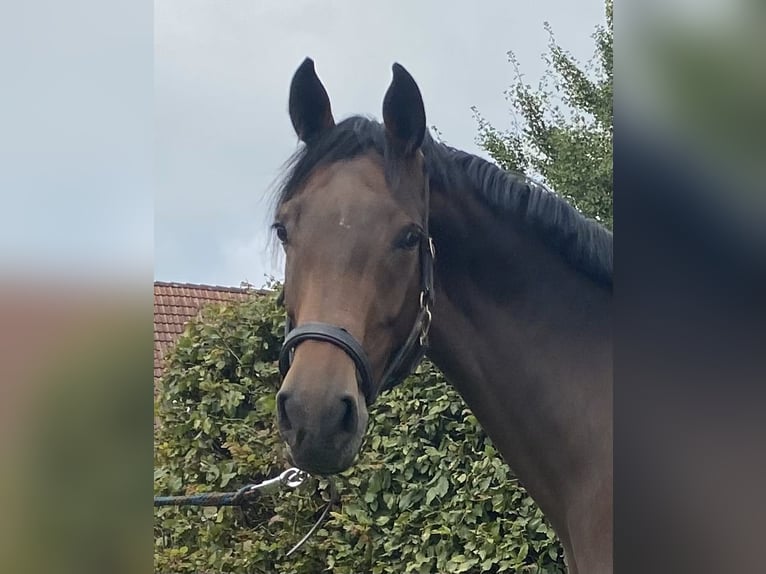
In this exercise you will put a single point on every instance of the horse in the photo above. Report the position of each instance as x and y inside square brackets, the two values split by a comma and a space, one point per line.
[398, 246]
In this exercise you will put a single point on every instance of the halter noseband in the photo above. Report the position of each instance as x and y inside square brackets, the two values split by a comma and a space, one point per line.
[406, 359]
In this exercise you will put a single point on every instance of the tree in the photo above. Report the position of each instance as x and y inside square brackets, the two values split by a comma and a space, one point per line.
[563, 128]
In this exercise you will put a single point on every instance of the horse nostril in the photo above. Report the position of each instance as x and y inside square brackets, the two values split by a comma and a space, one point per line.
[349, 420]
[284, 420]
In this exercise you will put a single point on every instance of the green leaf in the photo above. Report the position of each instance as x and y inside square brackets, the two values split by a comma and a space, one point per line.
[442, 486]
[523, 551]
[466, 565]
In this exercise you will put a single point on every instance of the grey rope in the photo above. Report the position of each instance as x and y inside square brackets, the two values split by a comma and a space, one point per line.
[291, 478]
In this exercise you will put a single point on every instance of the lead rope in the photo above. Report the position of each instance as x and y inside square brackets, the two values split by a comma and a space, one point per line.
[291, 478]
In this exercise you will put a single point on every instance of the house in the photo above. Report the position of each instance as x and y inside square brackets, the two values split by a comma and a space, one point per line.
[175, 304]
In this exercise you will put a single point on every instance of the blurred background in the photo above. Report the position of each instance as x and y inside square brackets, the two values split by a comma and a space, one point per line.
[109, 126]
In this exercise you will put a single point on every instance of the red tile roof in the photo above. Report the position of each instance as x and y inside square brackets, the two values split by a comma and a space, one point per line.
[176, 303]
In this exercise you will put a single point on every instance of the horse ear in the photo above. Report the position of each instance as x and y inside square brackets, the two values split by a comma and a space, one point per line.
[403, 113]
[309, 104]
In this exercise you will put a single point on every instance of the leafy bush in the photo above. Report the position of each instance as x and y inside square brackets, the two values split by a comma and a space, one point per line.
[429, 492]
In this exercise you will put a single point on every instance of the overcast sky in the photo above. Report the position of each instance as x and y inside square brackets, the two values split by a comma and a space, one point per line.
[222, 74]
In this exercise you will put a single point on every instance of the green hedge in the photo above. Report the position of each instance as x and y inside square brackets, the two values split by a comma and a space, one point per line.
[428, 494]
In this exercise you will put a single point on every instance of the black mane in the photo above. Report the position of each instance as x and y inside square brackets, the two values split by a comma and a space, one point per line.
[583, 242]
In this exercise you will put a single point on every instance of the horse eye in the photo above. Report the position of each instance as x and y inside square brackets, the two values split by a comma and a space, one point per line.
[410, 239]
[281, 232]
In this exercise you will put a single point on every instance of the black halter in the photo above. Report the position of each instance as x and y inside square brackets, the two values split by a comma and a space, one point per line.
[406, 358]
